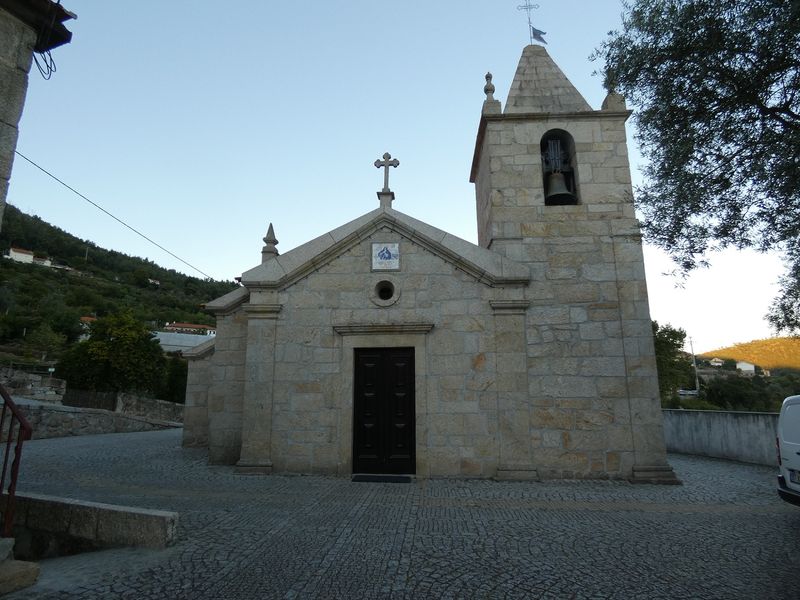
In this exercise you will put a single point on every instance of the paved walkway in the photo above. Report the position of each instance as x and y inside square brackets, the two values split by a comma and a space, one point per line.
[724, 534]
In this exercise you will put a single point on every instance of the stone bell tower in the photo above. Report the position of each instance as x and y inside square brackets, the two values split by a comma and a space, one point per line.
[553, 191]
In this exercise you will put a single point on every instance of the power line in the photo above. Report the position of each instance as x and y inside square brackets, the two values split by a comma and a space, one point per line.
[134, 230]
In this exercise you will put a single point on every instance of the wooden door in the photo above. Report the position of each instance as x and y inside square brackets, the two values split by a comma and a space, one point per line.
[383, 422]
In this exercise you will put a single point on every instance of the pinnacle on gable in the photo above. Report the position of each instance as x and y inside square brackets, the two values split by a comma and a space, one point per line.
[539, 86]
[269, 250]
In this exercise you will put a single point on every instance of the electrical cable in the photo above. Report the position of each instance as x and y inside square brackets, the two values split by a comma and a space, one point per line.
[47, 66]
[137, 232]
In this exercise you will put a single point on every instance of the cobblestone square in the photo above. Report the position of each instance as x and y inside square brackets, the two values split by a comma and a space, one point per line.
[723, 534]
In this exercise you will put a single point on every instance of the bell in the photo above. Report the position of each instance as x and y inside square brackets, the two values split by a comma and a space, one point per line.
[557, 192]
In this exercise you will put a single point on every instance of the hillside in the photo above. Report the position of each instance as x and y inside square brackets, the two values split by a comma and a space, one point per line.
[771, 353]
[99, 282]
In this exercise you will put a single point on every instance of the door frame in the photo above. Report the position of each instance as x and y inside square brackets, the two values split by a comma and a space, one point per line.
[361, 337]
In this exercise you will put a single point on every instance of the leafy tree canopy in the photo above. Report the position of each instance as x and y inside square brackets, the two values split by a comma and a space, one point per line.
[716, 84]
[121, 355]
[675, 370]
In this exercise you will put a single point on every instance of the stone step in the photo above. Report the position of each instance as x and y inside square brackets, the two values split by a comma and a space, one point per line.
[16, 575]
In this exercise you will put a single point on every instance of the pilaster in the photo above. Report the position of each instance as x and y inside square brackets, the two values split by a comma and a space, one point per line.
[513, 407]
[256, 454]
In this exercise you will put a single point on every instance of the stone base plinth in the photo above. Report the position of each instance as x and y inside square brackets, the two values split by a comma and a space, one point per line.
[249, 468]
[662, 474]
[517, 473]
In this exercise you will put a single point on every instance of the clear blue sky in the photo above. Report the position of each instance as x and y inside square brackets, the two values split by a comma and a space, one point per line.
[199, 123]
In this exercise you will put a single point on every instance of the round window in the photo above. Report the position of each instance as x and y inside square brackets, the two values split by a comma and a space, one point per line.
[384, 290]
[384, 293]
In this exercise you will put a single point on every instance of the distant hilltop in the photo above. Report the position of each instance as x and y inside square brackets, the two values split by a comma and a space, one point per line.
[770, 353]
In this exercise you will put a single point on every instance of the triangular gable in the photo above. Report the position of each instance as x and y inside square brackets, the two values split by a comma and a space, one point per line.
[486, 266]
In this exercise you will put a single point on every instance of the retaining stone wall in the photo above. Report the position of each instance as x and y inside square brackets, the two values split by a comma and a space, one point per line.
[129, 404]
[742, 436]
[50, 421]
[48, 526]
[32, 385]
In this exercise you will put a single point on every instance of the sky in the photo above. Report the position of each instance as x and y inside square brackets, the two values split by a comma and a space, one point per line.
[199, 123]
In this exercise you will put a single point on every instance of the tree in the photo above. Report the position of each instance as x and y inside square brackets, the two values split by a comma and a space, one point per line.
[716, 84]
[674, 366]
[44, 340]
[174, 386]
[121, 355]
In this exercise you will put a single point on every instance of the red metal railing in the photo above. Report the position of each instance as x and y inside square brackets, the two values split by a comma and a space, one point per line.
[19, 430]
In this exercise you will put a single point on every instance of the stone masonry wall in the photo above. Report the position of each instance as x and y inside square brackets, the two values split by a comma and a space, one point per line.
[225, 392]
[131, 404]
[591, 365]
[456, 396]
[150, 408]
[33, 385]
[50, 421]
[16, 44]
[195, 415]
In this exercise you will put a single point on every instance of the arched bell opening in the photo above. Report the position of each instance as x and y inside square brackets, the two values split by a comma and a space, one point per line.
[559, 169]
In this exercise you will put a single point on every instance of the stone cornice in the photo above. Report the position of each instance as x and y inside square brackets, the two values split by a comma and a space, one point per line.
[262, 311]
[200, 351]
[45, 17]
[382, 328]
[228, 303]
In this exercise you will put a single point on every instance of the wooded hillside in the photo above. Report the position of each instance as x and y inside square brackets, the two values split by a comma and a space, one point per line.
[771, 353]
[42, 301]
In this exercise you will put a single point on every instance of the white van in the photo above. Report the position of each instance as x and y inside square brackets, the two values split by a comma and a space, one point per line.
[789, 450]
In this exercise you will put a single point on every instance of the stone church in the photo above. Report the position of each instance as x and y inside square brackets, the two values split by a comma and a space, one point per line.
[388, 346]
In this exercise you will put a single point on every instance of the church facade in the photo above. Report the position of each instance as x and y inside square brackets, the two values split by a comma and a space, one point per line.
[388, 346]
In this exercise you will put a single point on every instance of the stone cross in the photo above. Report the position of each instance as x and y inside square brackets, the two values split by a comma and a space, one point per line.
[387, 162]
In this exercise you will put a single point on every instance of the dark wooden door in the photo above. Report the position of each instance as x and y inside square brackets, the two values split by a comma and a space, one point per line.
[383, 423]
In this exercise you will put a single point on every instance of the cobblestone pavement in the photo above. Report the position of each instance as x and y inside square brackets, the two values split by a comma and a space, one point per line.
[724, 534]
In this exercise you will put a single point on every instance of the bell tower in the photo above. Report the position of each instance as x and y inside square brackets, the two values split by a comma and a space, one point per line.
[553, 191]
[547, 149]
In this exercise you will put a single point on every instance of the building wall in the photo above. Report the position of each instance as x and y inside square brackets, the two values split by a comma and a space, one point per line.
[195, 413]
[546, 388]
[225, 392]
[590, 359]
[456, 391]
[16, 55]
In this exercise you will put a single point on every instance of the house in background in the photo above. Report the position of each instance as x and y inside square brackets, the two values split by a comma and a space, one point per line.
[20, 255]
[27, 257]
[745, 368]
[192, 328]
[179, 342]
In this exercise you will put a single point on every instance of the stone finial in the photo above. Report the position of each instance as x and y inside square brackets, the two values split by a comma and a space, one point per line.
[490, 105]
[614, 101]
[269, 251]
[488, 89]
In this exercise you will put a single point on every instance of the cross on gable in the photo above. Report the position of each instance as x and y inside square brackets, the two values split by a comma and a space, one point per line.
[387, 162]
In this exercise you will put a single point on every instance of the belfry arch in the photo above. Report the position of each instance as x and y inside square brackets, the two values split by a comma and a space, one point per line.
[559, 168]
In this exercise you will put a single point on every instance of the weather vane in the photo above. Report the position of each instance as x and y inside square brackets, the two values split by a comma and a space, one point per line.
[536, 34]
